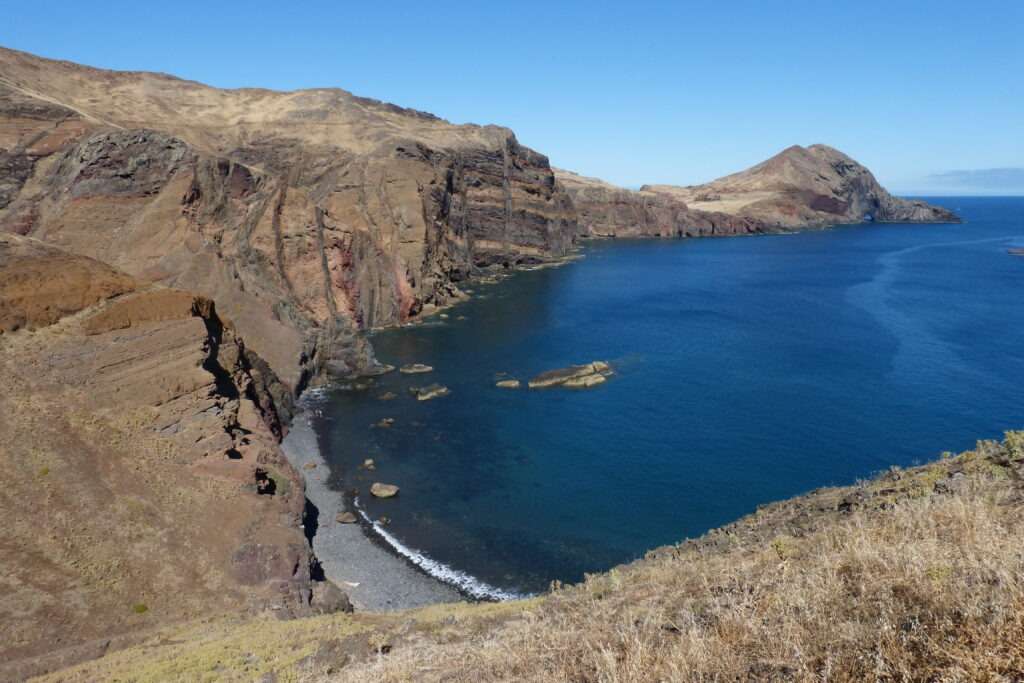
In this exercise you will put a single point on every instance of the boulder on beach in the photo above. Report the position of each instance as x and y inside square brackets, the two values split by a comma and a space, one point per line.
[575, 376]
[428, 392]
[507, 383]
[415, 369]
[379, 490]
[346, 518]
[309, 466]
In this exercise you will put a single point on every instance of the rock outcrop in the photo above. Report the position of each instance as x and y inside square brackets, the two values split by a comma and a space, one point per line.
[574, 376]
[306, 215]
[135, 425]
[799, 188]
[605, 210]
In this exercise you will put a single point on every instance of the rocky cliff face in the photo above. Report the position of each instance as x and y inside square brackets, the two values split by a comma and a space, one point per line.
[799, 188]
[307, 216]
[142, 476]
[605, 210]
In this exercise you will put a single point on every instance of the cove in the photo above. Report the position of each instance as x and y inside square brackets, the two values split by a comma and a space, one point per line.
[747, 370]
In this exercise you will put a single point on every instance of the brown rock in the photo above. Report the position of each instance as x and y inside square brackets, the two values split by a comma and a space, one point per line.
[346, 518]
[429, 392]
[415, 369]
[380, 490]
[327, 599]
[579, 376]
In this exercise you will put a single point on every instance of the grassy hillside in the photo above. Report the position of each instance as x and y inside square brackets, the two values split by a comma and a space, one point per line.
[915, 575]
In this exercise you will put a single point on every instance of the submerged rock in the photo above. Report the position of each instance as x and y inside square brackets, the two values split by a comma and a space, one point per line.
[385, 422]
[415, 369]
[379, 490]
[576, 376]
[430, 391]
[379, 369]
[387, 396]
[508, 383]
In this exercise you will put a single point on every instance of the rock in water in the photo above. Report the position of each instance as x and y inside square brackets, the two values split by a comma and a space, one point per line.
[430, 391]
[576, 376]
[584, 381]
[415, 369]
[508, 384]
[379, 490]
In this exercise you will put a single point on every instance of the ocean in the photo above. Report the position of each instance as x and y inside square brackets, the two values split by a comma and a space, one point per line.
[747, 370]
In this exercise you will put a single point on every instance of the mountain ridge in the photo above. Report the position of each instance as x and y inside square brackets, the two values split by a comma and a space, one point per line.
[799, 188]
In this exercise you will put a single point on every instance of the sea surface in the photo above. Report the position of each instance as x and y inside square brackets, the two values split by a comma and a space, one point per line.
[748, 370]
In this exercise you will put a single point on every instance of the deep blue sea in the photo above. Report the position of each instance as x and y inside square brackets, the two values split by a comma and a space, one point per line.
[747, 370]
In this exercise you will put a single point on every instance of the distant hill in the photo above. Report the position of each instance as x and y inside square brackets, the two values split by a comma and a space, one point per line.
[799, 188]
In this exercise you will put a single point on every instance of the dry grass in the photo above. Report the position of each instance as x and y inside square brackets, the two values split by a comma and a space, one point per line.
[921, 578]
[931, 589]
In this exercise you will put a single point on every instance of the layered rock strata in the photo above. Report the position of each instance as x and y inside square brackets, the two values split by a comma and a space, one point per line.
[306, 216]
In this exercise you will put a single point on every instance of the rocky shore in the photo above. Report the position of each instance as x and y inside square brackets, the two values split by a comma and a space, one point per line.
[374, 578]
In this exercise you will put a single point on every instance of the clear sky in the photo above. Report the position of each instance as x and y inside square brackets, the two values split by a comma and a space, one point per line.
[930, 95]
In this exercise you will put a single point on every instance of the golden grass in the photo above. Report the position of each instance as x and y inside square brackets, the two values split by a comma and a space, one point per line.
[930, 589]
[920, 581]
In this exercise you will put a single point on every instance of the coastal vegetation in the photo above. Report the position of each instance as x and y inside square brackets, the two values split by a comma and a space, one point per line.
[916, 575]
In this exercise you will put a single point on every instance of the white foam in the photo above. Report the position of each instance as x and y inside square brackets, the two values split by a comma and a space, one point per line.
[439, 570]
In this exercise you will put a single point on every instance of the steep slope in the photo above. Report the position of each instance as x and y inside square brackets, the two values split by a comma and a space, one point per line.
[143, 483]
[799, 188]
[915, 575]
[306, 215]
[605, 210]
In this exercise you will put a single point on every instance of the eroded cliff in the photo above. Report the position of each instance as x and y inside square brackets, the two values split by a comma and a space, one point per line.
[306, 215]
[143, 482]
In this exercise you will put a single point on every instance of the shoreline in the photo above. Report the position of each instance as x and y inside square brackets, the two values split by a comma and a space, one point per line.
[375, 579]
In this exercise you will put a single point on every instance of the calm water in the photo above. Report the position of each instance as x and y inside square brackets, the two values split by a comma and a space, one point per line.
[749, 369]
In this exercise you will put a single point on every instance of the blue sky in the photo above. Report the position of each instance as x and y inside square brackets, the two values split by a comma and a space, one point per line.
[639, 92]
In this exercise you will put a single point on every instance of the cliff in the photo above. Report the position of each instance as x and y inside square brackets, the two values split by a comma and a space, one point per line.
[306, 215]
[142, 474]
[799, 188]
